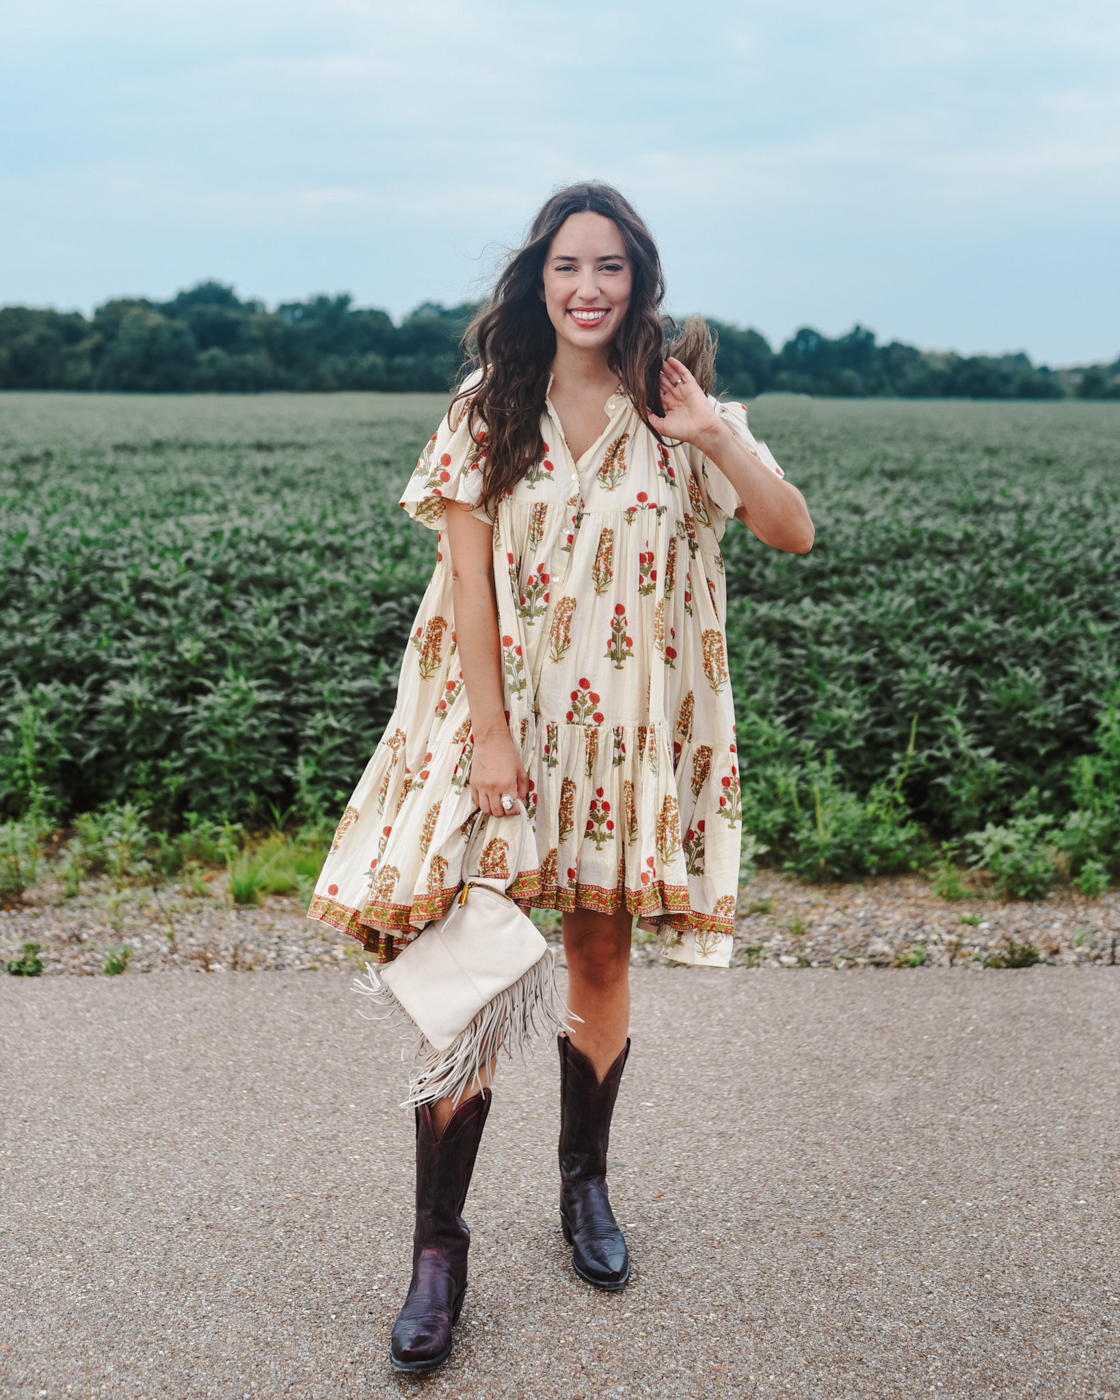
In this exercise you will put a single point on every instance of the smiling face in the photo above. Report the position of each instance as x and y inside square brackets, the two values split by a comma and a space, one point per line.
[587, 280]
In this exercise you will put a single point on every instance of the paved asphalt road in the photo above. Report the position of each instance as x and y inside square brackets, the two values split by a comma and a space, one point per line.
[893, 1184]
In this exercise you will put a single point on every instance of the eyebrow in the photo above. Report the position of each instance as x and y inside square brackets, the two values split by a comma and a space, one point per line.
[601, 257]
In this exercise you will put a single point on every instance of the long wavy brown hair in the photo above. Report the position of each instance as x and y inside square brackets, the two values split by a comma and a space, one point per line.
[511, 343]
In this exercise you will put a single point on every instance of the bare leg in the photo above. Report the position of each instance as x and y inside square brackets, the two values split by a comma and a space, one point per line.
[442, 1109]
[597, 947]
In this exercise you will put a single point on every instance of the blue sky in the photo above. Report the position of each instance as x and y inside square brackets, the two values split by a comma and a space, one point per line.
[945, 173]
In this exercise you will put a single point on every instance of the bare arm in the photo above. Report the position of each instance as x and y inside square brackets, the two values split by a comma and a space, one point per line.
[773, 509]
[496, 766]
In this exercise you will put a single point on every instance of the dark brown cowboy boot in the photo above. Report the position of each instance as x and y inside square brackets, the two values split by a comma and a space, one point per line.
[422, 1331]
[599, 1253]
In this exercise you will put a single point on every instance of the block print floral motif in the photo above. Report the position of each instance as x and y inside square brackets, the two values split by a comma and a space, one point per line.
[671, 567]
[715, 662]
[662, 645]
[462, 734]
[584, 705]
[567, 816]
[619, 646]
[438, 474]
[462, 771]
[531, 801]
[696, 498]
[428, 641]
[494, 862]
[437, 871]
[548, 869]
[590, 751]
[643, 734]
[524, 729]
[480, 450]
[642, 502]
[613, 467]
[514, 569]
[602, 571]
[694, 849]
[429, 510]
[707, 940]
[534, 596]
[630, 811]
[447, 699]
[649, 875]
[647, 574]
[427, 831]
[688, 595]
[349, 817]
[467, 828]
[383, 883]
[711, 591]
[690, 531]
[383, 790]
[514, 666]
[577, 521]
[618, 756]
[731, 799]
[600, 823]
[684, 718]
[560, 633]
[382, 842]
[419, 779]
[701, 769]
[669, 829]
[406, 787]
[538, 518]
[552, 746]
[724, 907]
[539, 471]
[665, 468]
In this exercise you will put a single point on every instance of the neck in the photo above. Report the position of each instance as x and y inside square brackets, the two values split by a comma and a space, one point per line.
[577, 369]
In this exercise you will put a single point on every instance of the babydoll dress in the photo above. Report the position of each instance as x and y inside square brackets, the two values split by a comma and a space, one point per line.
[611, 608]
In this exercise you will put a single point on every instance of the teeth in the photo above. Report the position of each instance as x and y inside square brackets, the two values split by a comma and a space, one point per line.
[589, 315]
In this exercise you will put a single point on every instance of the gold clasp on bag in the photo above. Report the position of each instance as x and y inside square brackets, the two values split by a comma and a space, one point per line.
[467, 884]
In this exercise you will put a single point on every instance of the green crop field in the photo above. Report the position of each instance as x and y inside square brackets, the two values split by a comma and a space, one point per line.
[204, 601]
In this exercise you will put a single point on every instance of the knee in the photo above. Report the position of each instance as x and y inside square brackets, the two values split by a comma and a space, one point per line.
[598, 948]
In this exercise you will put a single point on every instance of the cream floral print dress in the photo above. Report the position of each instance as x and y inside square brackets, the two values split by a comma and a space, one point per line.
[611, 608]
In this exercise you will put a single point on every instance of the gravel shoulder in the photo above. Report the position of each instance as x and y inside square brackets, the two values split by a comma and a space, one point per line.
[833, 1187]
[782, 923]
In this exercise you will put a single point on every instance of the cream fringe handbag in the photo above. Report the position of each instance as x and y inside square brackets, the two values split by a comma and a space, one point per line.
[479, 979]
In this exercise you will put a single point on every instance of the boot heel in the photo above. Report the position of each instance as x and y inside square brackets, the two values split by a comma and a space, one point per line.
[458, 1305]
[566, 1228]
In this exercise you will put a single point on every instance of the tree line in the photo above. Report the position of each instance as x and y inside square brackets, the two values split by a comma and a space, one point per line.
[207, 340]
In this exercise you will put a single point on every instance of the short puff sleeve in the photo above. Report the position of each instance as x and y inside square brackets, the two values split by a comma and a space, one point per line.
[719, 496]
[450, 469]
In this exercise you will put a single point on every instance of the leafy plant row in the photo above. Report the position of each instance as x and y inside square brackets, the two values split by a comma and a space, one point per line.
[203, 604]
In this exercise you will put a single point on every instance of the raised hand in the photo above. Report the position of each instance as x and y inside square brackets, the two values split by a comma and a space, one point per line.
[688, 414]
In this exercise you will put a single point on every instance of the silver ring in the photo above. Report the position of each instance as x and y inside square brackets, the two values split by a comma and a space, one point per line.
[507, 803]
[678, 381]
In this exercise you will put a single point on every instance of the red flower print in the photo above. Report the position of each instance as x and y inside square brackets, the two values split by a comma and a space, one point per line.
[332, 889]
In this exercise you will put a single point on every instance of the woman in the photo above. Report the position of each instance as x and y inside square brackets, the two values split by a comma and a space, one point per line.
[569, 655]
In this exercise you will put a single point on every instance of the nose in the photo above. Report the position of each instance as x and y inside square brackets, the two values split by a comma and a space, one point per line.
[589, 285]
